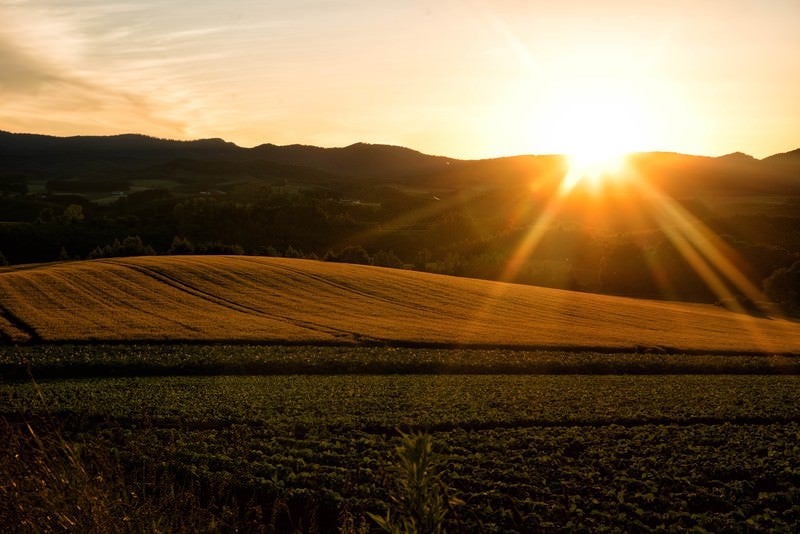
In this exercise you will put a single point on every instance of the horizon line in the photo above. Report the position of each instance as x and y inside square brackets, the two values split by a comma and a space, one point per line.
[530, 154]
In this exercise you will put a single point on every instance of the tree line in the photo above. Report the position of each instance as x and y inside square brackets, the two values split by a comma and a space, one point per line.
[390, 228]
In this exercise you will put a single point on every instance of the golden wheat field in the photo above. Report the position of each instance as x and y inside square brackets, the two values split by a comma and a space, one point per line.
[274, 300]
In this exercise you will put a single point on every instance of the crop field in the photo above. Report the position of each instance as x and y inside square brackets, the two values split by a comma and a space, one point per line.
[290, 301]
[186, 394]
[523, 453]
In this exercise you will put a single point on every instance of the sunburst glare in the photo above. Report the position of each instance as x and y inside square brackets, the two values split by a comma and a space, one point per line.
[704, 252]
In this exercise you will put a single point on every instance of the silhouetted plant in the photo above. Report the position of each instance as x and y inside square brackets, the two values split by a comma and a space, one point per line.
[87, 484]
[421, 500]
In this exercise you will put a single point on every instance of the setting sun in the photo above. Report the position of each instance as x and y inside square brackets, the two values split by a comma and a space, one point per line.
[594, 170]
[471, 80]
[597, 125]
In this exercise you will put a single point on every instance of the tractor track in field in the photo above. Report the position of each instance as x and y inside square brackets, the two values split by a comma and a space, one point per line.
[16, 322]
[183, 286]
[348, 289]
[281, 301]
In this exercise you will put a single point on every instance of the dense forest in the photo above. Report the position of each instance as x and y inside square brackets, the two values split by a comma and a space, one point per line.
[671, 232]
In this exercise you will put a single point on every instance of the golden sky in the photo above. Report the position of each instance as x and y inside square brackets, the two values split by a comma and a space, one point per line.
[462, 78]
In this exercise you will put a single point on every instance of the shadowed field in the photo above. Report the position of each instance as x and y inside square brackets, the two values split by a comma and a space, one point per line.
[277, 300]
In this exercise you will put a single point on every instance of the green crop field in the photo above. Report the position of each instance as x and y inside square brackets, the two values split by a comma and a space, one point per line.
[523, 453]
[98, 360]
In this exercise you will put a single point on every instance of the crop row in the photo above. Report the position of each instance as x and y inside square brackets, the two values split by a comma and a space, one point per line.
[524, 452]
[62, 361]
[718, 477]
[384, 402]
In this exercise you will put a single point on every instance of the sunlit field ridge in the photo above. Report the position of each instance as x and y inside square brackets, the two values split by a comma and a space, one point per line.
[278, 300]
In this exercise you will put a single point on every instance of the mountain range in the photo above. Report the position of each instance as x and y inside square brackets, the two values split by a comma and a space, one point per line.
[32, 157]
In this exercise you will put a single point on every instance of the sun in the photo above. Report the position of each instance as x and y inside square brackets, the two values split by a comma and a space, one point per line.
[595, 170]
[596, 125]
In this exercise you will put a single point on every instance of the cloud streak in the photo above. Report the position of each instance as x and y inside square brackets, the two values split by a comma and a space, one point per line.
[20, 73]
[51, 77]
[467, 78]
[114, 67]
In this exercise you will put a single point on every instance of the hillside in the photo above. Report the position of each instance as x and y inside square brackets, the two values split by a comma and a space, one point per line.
[277, 300]
[29, 158]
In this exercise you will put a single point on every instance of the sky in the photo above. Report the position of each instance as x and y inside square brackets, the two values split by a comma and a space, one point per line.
[461, 78]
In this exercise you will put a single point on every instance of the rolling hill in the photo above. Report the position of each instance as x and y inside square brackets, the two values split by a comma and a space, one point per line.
[279, 300]
[41, 156]
[30, 157]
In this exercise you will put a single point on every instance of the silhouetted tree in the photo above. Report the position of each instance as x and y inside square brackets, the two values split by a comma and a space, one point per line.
[46, 216]
[130, 246]
[292, 252]
[217, 247]
[73, 213]
[384, 258]
[625, 270]
[181, 245]
[3, 260]
[268, 250]
[676, 277]
[352, 254]
[424, 257]
[783, 288]
[355, 255]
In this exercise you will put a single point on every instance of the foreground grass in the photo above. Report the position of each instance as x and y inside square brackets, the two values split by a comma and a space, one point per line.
[314, 453]
[51, 481]
[280, 300]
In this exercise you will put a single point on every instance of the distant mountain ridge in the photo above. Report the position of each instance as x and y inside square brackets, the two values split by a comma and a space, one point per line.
[359, 159]
[28, 156]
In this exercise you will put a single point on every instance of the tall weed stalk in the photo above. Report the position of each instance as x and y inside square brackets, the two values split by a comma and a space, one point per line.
[420, 499]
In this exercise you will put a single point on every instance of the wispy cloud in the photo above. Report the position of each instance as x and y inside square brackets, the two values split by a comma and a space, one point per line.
[467, 78]
[21, 73]
[52, 72]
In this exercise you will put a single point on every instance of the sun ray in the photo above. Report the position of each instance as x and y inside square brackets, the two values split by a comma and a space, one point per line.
[703, 251]
[708, 256]
[685, 230]
[410, 218]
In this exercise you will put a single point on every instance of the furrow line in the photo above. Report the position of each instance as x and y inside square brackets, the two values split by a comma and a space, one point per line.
[625, 423]
[79, 420]
[347, 289]
[16, 322]
[185, 287]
